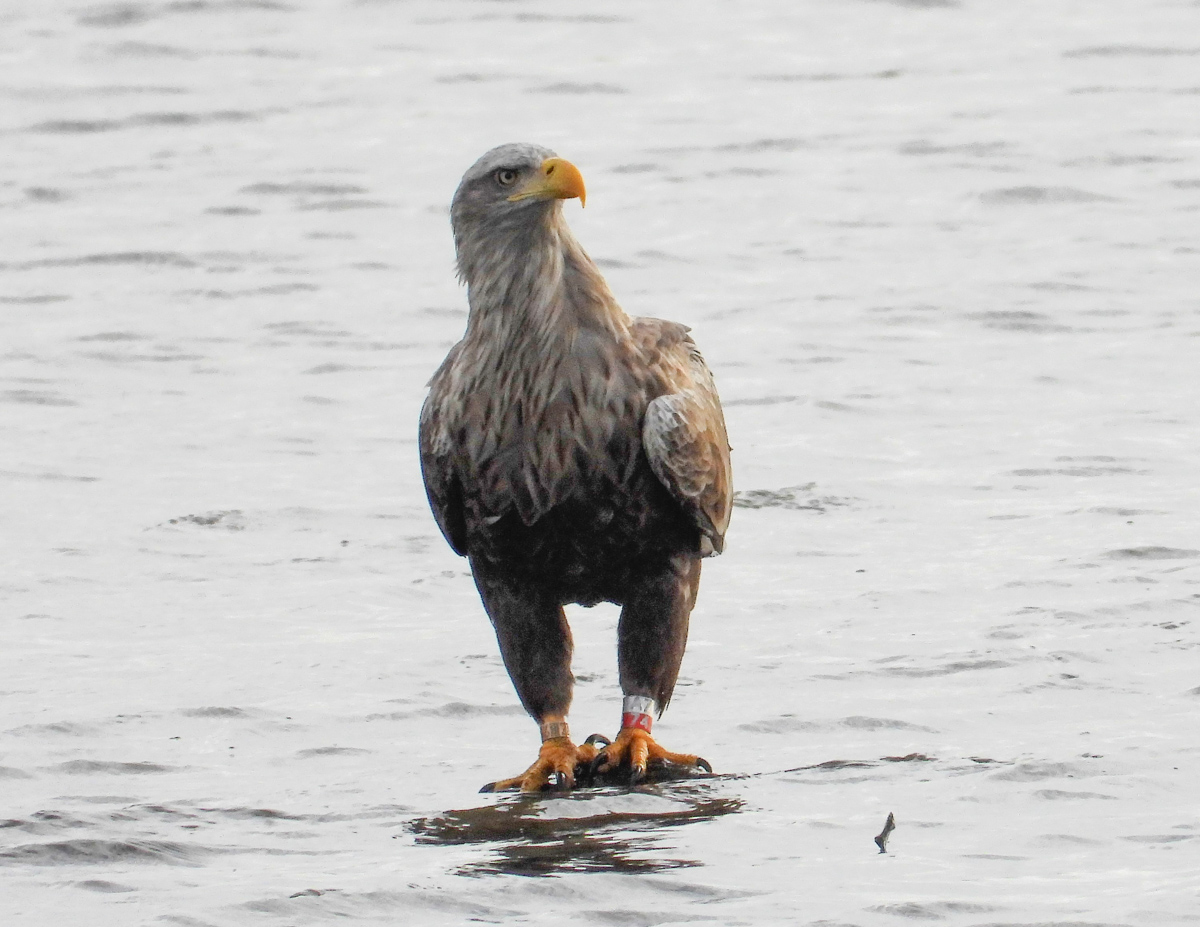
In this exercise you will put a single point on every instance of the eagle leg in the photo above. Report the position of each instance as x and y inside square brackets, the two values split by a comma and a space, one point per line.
[535, 643]
[651, 638]
[653, 629]
[636, 750]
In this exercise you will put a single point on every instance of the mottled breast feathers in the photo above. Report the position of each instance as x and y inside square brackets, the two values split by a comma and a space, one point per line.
[525, 431]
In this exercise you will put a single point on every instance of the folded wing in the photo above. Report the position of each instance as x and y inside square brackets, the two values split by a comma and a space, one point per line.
[685, 440]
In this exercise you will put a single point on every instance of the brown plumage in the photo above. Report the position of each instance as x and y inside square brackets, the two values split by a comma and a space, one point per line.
[572, 454]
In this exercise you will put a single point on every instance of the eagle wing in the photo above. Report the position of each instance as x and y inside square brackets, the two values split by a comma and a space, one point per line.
[442, 485]
[683, 432]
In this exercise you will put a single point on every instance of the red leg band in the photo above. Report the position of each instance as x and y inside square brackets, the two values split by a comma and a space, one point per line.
[637, 711]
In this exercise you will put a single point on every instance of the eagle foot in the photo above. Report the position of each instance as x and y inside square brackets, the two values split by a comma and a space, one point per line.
[555, 769]
[636, 750]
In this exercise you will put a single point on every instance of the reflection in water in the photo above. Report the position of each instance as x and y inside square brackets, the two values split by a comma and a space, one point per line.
[606, 830]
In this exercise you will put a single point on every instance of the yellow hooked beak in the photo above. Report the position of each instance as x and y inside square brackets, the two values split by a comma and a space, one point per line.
[557, 179]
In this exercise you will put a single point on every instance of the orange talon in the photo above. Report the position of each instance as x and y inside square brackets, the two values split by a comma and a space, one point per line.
[557, 758]
[636, 749]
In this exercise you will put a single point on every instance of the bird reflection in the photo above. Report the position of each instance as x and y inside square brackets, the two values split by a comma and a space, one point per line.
[589, 830]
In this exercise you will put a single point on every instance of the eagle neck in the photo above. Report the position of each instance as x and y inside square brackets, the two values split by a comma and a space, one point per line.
[536, 287]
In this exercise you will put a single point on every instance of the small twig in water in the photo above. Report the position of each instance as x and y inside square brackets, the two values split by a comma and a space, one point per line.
[888, 827]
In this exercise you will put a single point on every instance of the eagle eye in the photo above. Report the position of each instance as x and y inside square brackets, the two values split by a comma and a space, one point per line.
[506, 177]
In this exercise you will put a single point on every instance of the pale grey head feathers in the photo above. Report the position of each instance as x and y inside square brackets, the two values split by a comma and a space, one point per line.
[488, 182]
[489, 227]
[522, 266]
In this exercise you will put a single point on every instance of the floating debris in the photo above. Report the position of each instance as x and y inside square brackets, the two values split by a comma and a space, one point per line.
[882, 839]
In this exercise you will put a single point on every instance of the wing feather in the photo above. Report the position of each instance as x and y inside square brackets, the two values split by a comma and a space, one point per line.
[685, 441]
[442, 485]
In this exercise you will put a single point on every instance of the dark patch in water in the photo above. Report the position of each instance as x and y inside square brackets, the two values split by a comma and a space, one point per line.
[825, 76]
[1130, 51]
[297, 187]
[101, 885]
[936, 910]
[192, 119]
[31, 397]
[146, 258]
[766, 144]
[569, 87]
[343, 205]
[42, 823]
[33, 300]
[104, 852]
[70, 728]
[329, 904]
[266, 814]
[975, 149]
[275, 289]
[91, 126]
[468, 78]
[465, 710]
[331, 751]
[214, 711]
[1058, 286]
[1036, 772]
[334, 368]
[785, 724]
[11, 772]
[598, 831]
[46, 194]
[1018, 320]
[221, 6]
[1151, 553]
[230, 519]
[1160, 838]
[1059, 795]
[76, 126]
[52, 477]
[880, 724]
[1073, 471]
[115, 358]
[948, 669]
[136, 812]
[1020, 196]
[98, 767]
[117, 15]
[789, 497]
[557, 18]
[113, 15]
[113, 336]
[148, 50]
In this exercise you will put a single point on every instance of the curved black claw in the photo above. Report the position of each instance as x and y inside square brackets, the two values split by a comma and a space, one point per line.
[636, 774]
[560, 782]
[594, 739]
[704, 764]
[595, 764]
[490, 787]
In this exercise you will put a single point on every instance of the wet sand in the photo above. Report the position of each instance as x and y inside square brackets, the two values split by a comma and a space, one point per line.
[942, 258]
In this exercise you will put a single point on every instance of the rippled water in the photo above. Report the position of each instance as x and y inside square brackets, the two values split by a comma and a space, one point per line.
[942, 257]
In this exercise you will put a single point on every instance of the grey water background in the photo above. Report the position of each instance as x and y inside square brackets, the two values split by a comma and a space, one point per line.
[942, 257]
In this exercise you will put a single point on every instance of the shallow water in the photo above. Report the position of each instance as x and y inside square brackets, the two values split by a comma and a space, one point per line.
[942, 258]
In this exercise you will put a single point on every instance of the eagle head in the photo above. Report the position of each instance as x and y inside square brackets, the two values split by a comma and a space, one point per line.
[507, 197]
